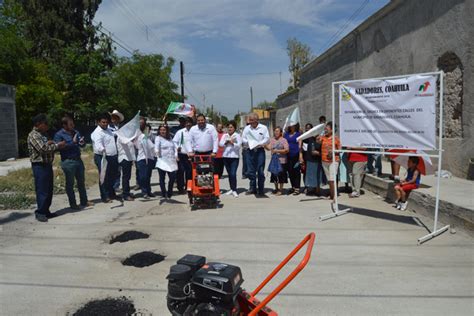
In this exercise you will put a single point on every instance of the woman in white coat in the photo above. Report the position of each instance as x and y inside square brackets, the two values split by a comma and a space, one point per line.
[167, 164]
[231, 142]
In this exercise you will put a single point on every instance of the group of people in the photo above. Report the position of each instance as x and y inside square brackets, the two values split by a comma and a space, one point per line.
[170, 152]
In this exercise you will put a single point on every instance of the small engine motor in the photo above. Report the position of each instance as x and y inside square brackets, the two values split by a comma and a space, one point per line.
[205, 175]
[199, 288]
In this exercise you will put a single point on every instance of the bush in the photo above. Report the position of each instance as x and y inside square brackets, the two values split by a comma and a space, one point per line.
[15, 201]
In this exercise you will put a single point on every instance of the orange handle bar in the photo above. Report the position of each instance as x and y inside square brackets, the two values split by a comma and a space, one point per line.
[309, 239]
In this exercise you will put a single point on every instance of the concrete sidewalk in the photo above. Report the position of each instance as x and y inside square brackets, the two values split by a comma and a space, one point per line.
[363, 263]
[12, 165]
[456, 197]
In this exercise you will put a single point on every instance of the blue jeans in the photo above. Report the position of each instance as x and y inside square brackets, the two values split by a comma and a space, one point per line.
[377, 158]
[126, 175]
[74, 169]
[184, 172]
[43, 174]
[107, 188]
[145, 169]
[255, 168]
[245, 154]
[172, 177]
[231, 165]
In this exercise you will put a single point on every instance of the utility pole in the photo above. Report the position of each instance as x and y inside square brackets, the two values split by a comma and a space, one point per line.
[251, 99]
[181, 66]
[280, 84]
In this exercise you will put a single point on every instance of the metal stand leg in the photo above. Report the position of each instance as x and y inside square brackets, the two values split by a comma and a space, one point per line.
[432, 235]
[334, 214]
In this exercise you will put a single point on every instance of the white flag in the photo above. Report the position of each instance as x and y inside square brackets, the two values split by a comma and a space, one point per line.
[293, 118]
[129, 131]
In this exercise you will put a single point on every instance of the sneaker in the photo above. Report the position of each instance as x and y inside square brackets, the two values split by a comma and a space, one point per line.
[278, 192]
[354, 194]
[403, 206]
[151, 195]
[250, 192]
[230, 192]
[235, 194]
[296, 192]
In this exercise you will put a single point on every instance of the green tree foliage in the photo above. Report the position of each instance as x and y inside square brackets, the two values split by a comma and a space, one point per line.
[299, 54]
[143, 82]
[264, 105]
[61, 63]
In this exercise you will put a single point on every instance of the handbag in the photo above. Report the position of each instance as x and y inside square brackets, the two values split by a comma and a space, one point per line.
[275, 167]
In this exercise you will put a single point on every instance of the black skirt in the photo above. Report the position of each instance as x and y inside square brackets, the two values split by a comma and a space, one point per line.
[282, 177]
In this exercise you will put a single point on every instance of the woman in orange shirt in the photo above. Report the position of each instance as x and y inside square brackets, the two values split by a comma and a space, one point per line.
[330, 166]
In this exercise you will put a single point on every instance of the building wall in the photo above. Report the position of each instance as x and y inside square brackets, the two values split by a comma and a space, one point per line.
[406, 37]
[8, 130]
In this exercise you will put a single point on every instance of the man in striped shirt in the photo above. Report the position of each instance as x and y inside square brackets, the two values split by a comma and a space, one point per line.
[42, 156]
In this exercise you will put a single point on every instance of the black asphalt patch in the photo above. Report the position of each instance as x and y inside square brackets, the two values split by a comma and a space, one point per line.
[129, 235]
[120, 306]
[143, 259]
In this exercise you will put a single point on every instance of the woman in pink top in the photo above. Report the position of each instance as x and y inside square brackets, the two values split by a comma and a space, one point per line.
[279, 145]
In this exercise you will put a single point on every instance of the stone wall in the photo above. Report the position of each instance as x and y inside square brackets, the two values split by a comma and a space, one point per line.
[8, 130]
[406, 37]
[287, 99]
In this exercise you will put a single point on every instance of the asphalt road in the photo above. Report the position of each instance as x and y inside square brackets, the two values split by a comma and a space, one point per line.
[363, 263]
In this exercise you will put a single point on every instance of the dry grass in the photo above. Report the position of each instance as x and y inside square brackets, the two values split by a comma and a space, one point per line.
[17, 188]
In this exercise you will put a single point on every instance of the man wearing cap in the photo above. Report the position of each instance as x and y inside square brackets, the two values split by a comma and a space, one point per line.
[181, 139]
[41, 156]
[103, 142]
[202, 138]
[255, 136]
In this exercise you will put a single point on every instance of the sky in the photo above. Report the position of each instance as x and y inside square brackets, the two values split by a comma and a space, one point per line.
[228, 46]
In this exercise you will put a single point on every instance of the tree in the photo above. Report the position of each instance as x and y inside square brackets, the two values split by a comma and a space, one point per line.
[143, 82]
[299, 54]
[264, 105]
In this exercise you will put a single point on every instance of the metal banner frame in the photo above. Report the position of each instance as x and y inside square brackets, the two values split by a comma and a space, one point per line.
[335, 205]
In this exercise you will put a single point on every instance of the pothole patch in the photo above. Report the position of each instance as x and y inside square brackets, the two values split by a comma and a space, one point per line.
[128, 235]
[119, 306]
[143, 259]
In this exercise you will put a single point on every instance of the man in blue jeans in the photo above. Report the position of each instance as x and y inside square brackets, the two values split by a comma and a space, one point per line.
[42, 156]
[255, 136]
[181, 139]
[71, 162]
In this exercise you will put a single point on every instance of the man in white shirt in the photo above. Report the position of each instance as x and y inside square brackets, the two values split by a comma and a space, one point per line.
[203, 138]
[182, 139]
[126, 156]
[255, 136]
[103, 141]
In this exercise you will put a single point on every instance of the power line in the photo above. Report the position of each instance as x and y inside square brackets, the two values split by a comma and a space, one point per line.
[233, 74]
[116, 41]
[116, 37]
[336, 35]
[132, 15]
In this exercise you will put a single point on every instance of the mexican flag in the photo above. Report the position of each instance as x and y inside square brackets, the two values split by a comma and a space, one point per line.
[179, 108]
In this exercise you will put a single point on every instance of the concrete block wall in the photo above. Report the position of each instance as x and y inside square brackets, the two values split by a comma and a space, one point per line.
[404, 37]
[8, 128]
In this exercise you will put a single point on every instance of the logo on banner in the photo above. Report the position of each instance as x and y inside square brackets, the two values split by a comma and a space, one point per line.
[423, 90]
[345, 95]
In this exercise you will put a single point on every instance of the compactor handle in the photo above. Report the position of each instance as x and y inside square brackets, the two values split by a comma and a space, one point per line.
[309, 239]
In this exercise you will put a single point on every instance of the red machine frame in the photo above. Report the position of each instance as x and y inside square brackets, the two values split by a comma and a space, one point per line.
[251, 306]
[203, 195]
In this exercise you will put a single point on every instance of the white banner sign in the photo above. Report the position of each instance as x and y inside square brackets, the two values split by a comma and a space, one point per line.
[392, 113]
